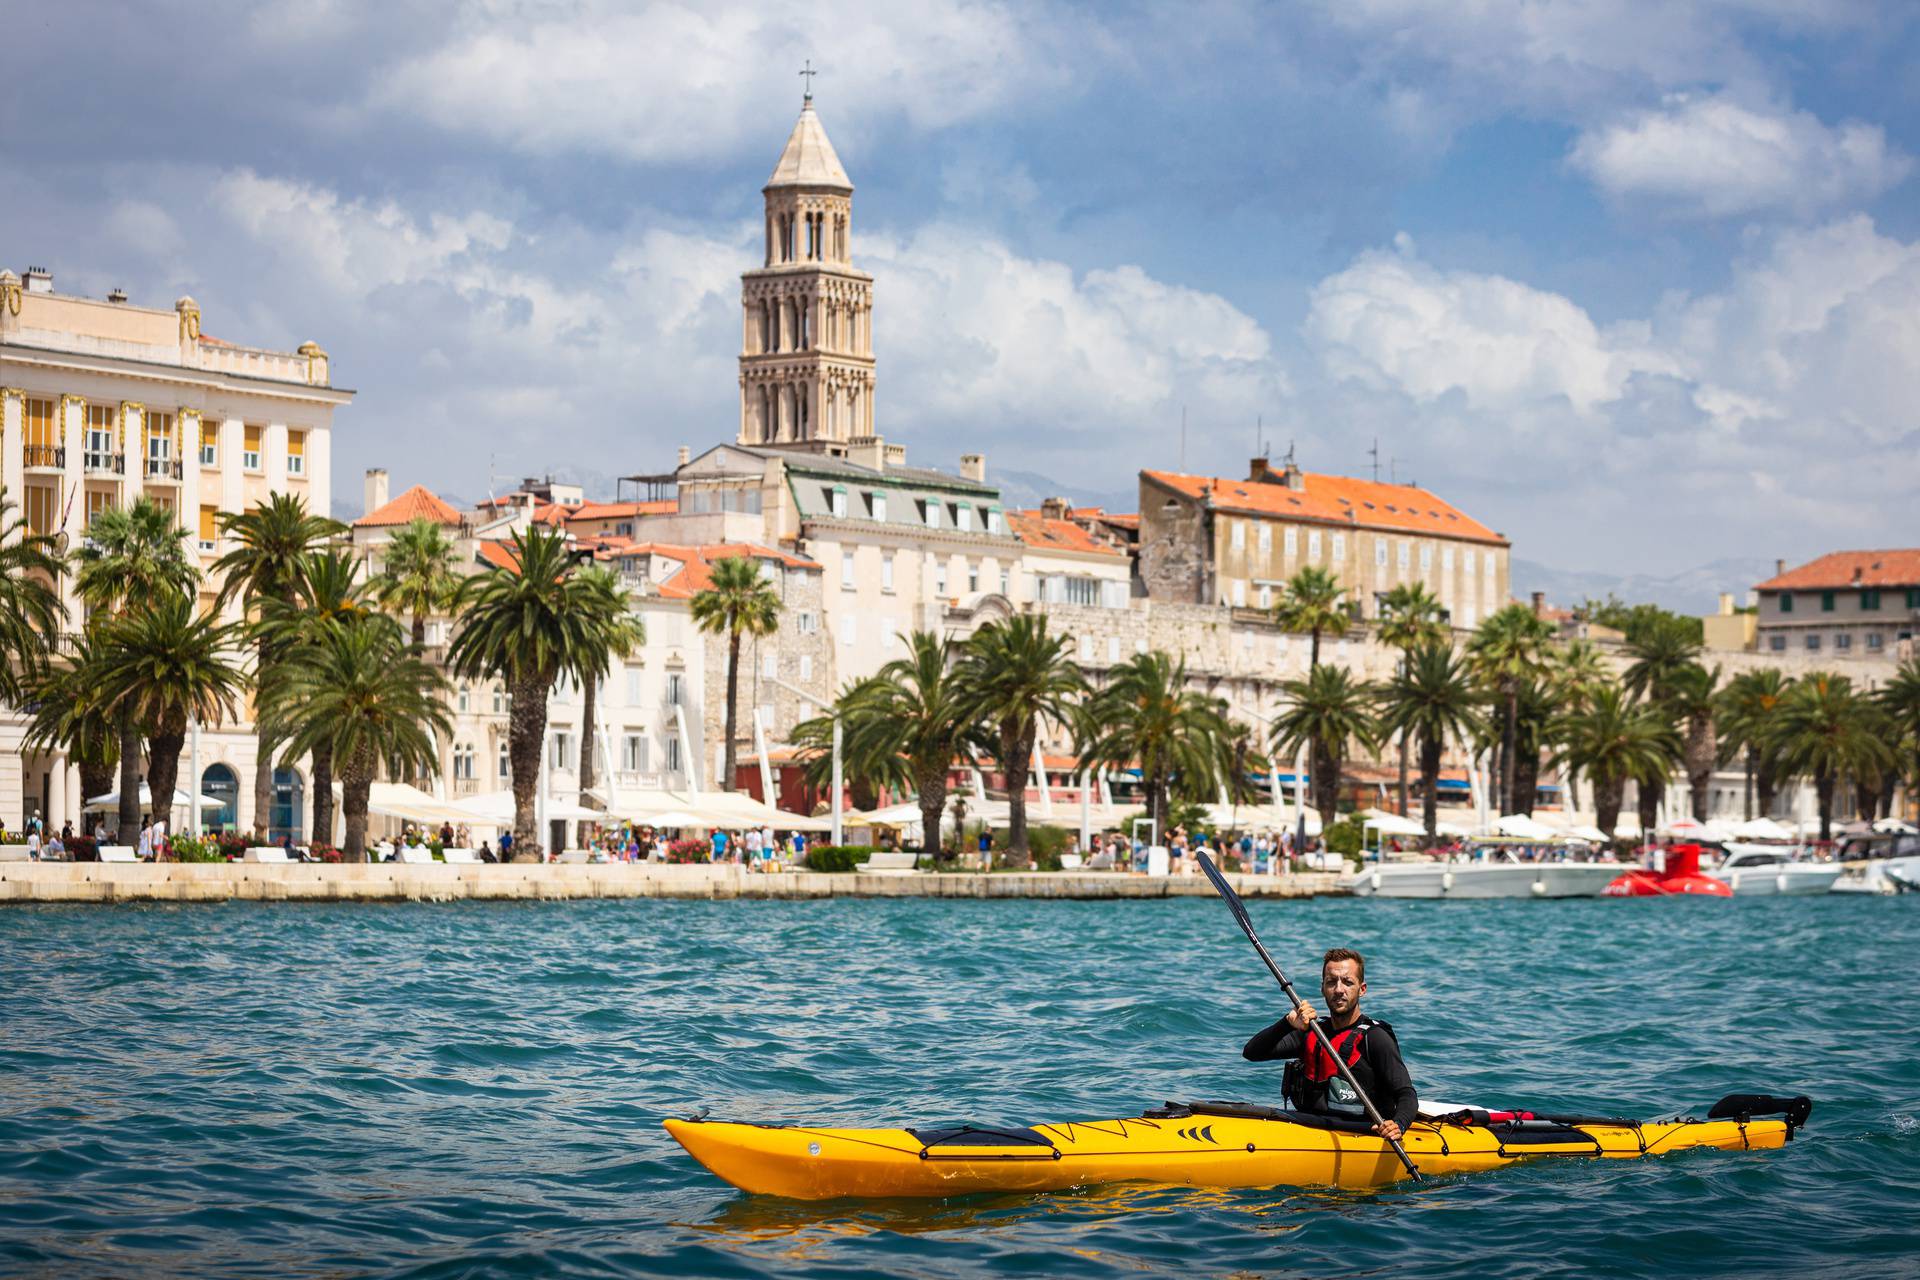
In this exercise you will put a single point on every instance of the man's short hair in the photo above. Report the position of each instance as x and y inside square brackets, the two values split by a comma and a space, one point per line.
[1343, 953]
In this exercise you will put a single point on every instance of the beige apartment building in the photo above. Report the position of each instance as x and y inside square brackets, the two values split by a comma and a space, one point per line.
[1846, 604]
[103, 402]
[1220, 541]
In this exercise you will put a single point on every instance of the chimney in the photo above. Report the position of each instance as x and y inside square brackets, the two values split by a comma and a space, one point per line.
[1539, 604]
[1779, 567]
[1726, 604]
[1858, 574]
[376, 491]
[868, 451]
[683, 457]
[973, 466]
[1055, 508]
[39, 280]
[118, 295]
[1294, 478]
[1259, 472]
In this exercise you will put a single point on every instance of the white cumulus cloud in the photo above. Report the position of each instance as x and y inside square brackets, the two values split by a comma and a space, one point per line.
[1710, 156]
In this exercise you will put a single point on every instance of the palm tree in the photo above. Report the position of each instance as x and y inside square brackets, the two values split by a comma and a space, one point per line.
[31, 615]
[912, 712]
[863, 772]
[1510, 648]
[1330, 709]
[526, 624]
[419, 575]
[1410, 617]
[69, 714]
[270, 544]
[1016, 677]
[162, 666]
[329, 586]
[1900, 699]
[1612, 740]
[1578, 670]
[1312, 603]
[133, 558]
[616, 634]
[1747, 707]
[1826, 730]
[355, 691]
[1660, 651]
[1692, 701]
[740, 602]
[1432, 698]
[1148, 715]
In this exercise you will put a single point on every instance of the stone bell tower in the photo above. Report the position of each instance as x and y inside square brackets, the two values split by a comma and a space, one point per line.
[806, 355]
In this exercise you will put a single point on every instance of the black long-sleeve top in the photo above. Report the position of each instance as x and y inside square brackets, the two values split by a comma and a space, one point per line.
[1380, 1071]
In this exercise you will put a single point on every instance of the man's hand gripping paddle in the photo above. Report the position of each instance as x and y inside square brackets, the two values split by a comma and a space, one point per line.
[1239, 910]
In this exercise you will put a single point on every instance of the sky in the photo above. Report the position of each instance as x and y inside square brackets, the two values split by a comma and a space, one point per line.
[1636, 283]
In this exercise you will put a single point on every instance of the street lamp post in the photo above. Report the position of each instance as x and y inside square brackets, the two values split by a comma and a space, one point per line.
[838, 770]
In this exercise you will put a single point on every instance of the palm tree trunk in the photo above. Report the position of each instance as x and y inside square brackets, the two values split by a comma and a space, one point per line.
[1016, 749]
[1606, 803]
[1508, 732]
[526, 739]
[356, 785]
[1313, 653]
[1649, 806]
[933, 802]
[129, 816]
[1157, 792]
[1702, 752]
[163, 769]
[1823, 793]
[1747, 805]
[733, 704]
[419, 633]
[1430, 783]
[1326, 783]
[95, 780]
[1766, 785]
[323, 793]
[589, 775]
[1403, 779]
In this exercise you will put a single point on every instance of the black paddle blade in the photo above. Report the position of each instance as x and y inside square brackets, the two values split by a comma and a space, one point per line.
[1225, 890]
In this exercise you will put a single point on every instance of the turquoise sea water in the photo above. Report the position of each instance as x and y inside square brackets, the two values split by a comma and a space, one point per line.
[476, 1089]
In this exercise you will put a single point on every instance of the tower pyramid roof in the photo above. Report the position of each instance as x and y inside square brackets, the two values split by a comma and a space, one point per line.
[809, 159]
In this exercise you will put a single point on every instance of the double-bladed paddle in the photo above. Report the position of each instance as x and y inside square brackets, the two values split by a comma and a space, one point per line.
[1239, 910]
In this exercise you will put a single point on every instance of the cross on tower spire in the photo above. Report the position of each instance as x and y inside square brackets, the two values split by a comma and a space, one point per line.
[807, 73]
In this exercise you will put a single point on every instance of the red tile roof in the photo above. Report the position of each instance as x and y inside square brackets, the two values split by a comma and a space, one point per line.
[417, 503]
[616, 510]
[1037, 530]
[1343, 500]
[498, 554]
[1899, 568]
[696, 573]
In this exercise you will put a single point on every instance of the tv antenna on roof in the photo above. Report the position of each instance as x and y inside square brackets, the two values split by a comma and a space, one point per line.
[1375, 454]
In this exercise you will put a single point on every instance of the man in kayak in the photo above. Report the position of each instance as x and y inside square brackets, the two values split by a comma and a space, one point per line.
[1312, 1082]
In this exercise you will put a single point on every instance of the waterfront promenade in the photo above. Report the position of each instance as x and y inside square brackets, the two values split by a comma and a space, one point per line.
[533, 882]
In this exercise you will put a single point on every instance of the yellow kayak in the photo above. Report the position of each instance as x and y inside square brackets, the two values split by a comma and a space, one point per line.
[1198, 1144]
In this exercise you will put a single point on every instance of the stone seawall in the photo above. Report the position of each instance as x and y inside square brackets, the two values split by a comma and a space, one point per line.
[222, 882]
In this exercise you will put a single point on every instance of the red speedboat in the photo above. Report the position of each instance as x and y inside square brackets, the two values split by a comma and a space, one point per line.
[1675, 870]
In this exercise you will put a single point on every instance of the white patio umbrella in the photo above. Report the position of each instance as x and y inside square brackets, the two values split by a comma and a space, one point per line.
[1521, 827]
[1895, 827]
[110, 801]
[495, 809]
[1392, 824]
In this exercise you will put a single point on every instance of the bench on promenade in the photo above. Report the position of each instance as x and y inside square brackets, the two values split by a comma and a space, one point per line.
[262, 853]
[574, 857]
[460, 857]
[1072, 862]
[15, 853]
[412, 854]
[119, 853]
[889, 864]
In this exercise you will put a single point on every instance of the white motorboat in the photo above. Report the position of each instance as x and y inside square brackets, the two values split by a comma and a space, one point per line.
[1879, 863]
[1495, 873]
[1753, 870]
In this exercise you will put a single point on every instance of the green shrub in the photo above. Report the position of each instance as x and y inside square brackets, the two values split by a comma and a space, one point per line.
[1047, 844]
[837, 857]
[193, 849]
[1346, 836]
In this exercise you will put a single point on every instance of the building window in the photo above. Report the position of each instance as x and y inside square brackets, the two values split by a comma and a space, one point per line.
[1870, 598]
[1843, 642]
[463, 763]
[846, 629]
[1446, 560]
[1826, 602]
[1913, 597]
[1786, 602]
[42, 434]
[296, 453]
[1266, 539]
[769, 665]
[506, 765]
[1239, 594]
[806, 666]
[633, 753]
[879, 506]
[98, 500]
[1486, 564]
[209, 525]
[1406, 553]
[250, 448]
[673, 753]
[1113, 649]
[806, 622]
[846, 570]
[993, 520]
[973, 577]
[1426, 557]
[101, 453]
[838, 502]
[1813, 644]
[209, 443]
[1777, 643]
[1467, 561]
[1006, 583]
[886, 571]
[940, 576]
[1291, 544]
[499, 701]
[1266, 596]
[1875, 641]
[634, 696]
[963, 518]
[1339, 548]
[159, 442]
[676, 688]
[463, 698]
[931, 510]
[1313, 544]
[1380, 552]
[1237, 532]
[42, 507]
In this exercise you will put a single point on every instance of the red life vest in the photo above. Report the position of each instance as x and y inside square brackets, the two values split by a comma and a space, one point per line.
[1349, 1044]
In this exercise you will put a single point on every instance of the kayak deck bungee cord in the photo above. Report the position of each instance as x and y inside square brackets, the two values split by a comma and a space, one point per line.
[1200, 1144]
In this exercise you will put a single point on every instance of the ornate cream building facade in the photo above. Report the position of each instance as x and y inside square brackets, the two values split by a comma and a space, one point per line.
[103, 402]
